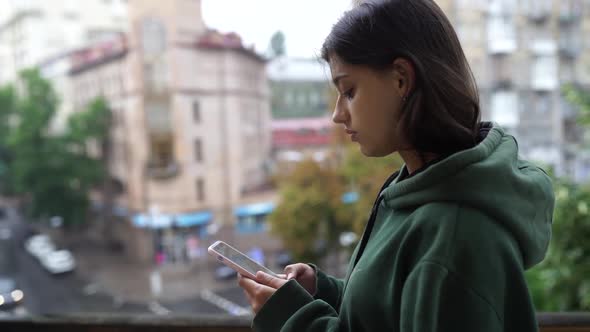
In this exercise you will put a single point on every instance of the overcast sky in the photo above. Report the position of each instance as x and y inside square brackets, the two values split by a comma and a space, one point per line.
[305, 22]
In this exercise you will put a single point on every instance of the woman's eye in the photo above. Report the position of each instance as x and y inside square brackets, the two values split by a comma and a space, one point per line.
[349, 94]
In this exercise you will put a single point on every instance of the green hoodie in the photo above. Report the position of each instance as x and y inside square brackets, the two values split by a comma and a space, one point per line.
[447, 252]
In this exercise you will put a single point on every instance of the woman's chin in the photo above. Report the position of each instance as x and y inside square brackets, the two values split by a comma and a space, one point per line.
[366, 151]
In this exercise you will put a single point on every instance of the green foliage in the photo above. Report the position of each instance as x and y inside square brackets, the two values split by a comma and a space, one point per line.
[311, 215]
[306, 219]
[53, 172]
[560, 282]
[366, 176]
[581, 100]
[277, 44]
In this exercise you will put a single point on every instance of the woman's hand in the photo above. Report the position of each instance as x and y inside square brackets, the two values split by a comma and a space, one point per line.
[258, 291]
[305, 276]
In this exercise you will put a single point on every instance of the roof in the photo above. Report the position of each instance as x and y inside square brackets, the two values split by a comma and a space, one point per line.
[298, 69]
[98, 54]
[215, 40]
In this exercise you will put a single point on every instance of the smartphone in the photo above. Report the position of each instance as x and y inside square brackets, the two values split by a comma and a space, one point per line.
[238, 261]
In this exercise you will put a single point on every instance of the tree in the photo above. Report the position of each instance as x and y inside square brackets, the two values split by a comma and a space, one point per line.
[277, 45]
[560, 282]
[7, 111]
[580, 99]
[366, 176]
[52, 172]
[307, 219]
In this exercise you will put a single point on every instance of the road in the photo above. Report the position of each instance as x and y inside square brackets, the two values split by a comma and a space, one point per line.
[70, 294]
[46, 294]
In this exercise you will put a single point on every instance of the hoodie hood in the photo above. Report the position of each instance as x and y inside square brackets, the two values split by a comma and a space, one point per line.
[492, 179]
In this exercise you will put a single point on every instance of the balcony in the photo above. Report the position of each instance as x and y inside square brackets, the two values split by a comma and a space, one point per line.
[570, 46]
[548, 322]
[543, 47]
[502, 73]
[502, 46]
[570, 11]
[569, 17]
[539, 16]
[163, 171]
[544, 75]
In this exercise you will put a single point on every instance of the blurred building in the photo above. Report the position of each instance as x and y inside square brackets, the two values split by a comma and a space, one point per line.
[300, 88]
[301, 126]
[522, 54]
[191, 131]
[294, 140]
[32, 31]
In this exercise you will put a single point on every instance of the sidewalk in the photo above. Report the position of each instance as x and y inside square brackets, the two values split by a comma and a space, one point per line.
[117, 275]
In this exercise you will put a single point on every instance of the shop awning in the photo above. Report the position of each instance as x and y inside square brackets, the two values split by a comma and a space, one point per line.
[254, 209]
[168, 220]
[193, 219]
[147, 221]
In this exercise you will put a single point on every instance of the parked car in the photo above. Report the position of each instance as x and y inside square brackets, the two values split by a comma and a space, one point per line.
[284, 259]
[5, 233]
[10, 295]
[224, 272]
[39, 245]
[57, 262]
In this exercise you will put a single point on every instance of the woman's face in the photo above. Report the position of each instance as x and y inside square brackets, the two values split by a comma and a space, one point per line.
[368, 105]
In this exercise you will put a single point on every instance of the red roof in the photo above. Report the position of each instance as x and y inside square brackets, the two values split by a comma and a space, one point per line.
[289, 133]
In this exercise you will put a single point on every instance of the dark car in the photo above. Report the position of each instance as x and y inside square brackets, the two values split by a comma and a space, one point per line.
[10, 295]
[284, 259]
[225, 273]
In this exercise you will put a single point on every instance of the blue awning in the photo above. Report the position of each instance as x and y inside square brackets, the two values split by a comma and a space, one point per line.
[168, 220]
[146, 221]
[350, 197]
[193, 219]
[254, 209]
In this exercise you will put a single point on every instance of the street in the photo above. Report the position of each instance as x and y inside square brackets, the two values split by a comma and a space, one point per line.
[70, 294]
[46, 294]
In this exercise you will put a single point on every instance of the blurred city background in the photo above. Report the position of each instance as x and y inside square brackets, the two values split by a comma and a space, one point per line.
[135, 133]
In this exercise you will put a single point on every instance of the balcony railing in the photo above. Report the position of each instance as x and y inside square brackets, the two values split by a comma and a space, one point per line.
[548, 322]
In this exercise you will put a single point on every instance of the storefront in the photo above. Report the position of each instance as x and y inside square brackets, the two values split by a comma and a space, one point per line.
[176, 238]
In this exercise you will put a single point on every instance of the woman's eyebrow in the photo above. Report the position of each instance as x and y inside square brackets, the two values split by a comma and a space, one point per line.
[337, 78]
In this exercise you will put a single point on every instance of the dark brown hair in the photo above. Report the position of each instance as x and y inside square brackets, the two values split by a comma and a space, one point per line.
[442, 113]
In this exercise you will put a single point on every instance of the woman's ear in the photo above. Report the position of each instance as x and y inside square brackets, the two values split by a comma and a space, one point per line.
[405, 76]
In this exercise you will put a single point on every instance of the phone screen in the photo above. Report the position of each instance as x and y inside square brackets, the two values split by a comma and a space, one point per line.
[240, 259]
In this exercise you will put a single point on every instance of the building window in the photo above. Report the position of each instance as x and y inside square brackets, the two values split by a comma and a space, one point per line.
[196, 112]
[501, 27]
[505, 108]
[543, 103]
[545, 73]
[301, 99]
[198, 150]
[289, 98]
[200, 186]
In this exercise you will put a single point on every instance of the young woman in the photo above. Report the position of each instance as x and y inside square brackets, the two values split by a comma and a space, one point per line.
[451, 234]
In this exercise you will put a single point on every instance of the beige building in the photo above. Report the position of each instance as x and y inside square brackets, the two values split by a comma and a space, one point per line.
[522, 54]
[191, 116]
[32, 31]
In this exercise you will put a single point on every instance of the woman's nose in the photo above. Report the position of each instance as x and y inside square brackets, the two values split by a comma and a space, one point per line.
[339, 115]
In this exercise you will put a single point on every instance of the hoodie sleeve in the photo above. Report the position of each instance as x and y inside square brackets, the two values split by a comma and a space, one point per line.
[435, 300]
[292, 309]
[328, 288]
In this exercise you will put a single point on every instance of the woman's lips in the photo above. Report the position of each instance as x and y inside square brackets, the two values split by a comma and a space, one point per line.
[353, 134]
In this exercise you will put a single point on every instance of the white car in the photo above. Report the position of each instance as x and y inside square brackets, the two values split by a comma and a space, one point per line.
[59, 261]
[39, 245]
